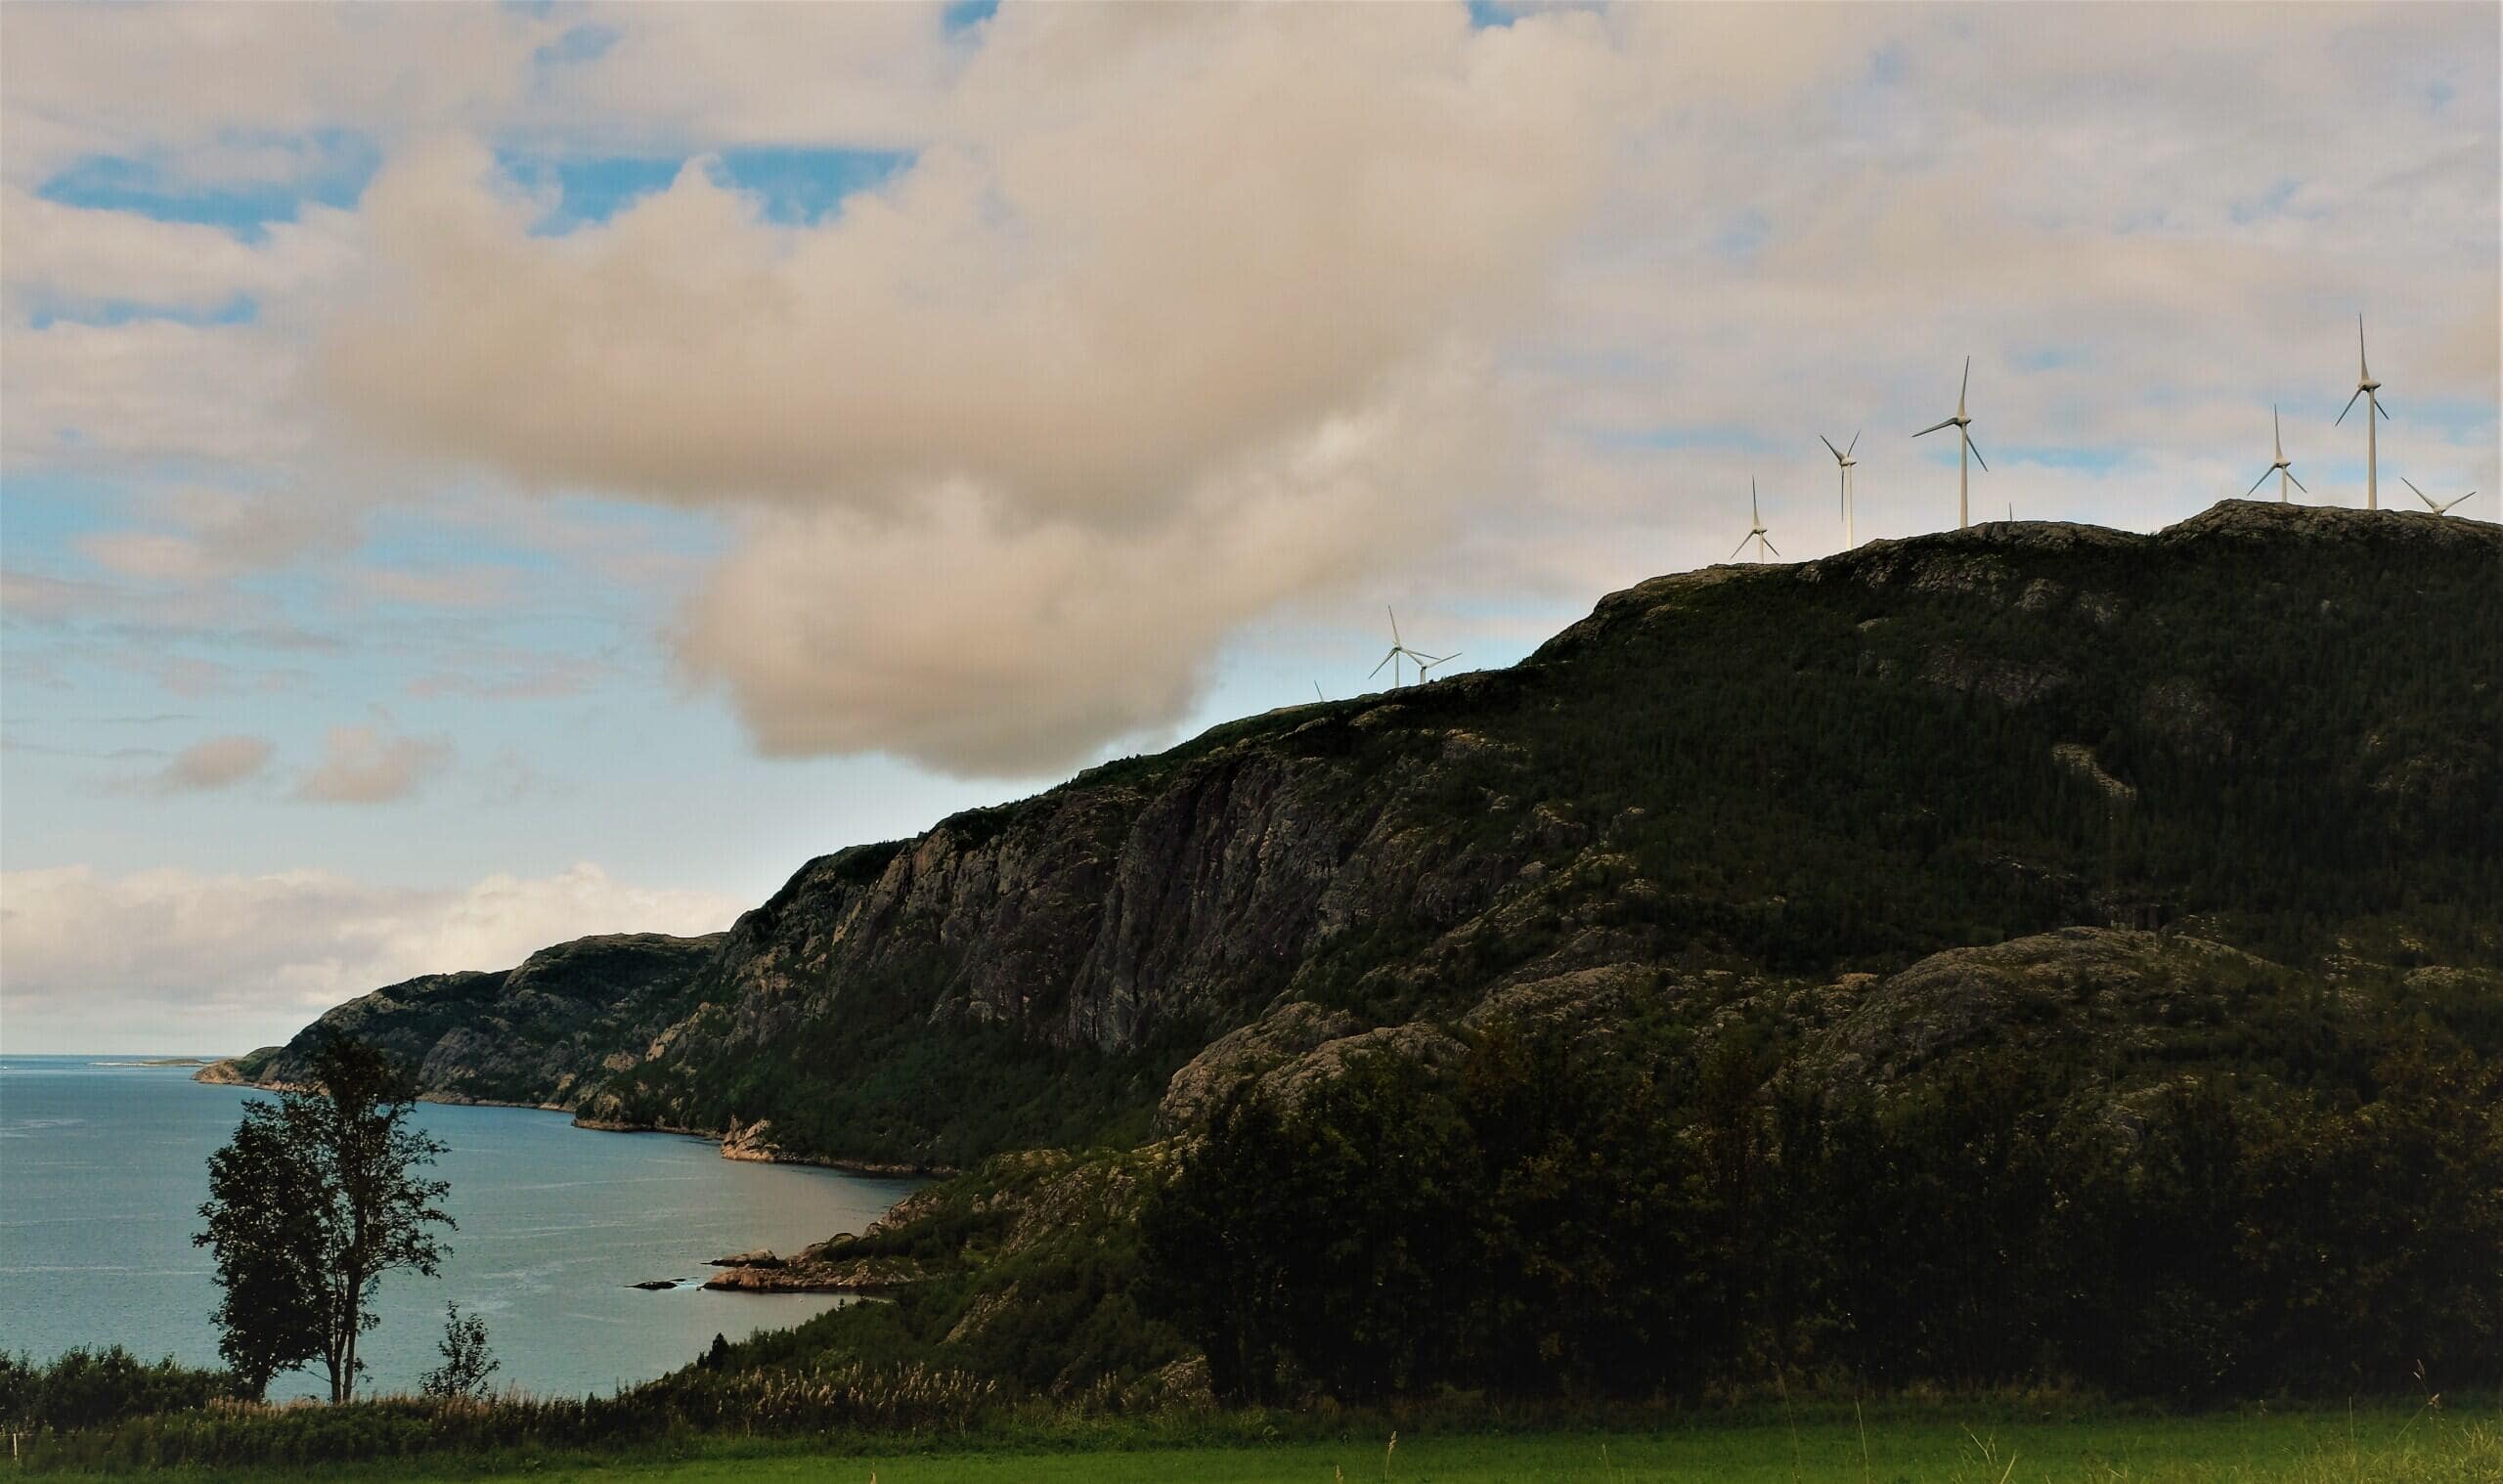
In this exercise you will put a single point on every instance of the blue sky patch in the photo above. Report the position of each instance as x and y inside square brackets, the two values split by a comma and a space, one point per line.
[243, 309]
[338, 165]
[796, 186]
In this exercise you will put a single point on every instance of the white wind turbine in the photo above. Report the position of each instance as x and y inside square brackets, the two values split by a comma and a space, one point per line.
[1846, 463]
[1755, 531]
[1399, 650]
[1426, 661]
[2370, 390]
[2438, 510]
[1964, 445]
[2283, 468]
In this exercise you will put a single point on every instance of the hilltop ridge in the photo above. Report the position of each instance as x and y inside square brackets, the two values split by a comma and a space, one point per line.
[2273, 725]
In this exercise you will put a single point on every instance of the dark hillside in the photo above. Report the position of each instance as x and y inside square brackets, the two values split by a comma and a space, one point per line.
[2278, 728]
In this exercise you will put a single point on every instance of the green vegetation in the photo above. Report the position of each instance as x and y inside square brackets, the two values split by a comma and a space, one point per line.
[1548, 1220]
[83, 1389]
[1815, 1445]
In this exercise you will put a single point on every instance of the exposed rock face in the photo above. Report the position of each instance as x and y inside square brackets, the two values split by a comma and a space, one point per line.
[751, 1141]
[2124, 989]
[1292, 890]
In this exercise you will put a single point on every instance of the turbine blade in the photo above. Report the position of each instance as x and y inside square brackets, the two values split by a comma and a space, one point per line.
[2299, 484]
[2377, 407]
[1966, 386]
[2411, 484]
[1829, 447]
[1977, 452]
[1385, 659]
[1395, 640]
[2360, 351]
[1741, 546]
[2279, 423]
[2257, 483]
[1852, 444]
[1934, 427]
[2350, 407]
[1768, 544]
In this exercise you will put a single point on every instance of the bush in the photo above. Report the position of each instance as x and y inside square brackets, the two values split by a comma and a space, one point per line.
[91, 1388]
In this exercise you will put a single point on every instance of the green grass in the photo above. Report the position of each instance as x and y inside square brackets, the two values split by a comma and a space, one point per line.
[2302, 1447]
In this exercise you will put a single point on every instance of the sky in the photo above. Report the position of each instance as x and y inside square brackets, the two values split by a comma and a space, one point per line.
[475, 475]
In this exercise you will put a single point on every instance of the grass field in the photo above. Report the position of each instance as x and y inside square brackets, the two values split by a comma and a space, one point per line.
[2296, 1448]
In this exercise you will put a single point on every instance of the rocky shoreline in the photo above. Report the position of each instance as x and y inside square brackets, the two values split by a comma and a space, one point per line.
[762, 1272]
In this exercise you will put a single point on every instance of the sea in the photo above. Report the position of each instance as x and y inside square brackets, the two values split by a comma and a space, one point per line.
[104, 1166]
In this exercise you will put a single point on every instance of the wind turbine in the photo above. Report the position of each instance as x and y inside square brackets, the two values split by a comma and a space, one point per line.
[2441, 509]
[2370, 390]
[1424, 660]
[1843, 458]
[1964, 445]
[1755, 531]
[1399, 650]
[2283, 468]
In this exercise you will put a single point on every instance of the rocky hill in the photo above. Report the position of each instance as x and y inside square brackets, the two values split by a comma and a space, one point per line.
[2276, 729]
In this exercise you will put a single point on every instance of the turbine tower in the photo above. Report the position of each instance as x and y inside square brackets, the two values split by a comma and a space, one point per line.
[2440, 509]
[2370, 390]
[1755, 531]
[1964, 445]
[1399, 650]
[1843, 458]
[2283, 468]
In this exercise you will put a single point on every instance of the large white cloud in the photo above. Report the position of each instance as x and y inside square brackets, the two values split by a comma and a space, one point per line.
[174, 960]
[983, 641]
[1151, 244]
[1158, 335]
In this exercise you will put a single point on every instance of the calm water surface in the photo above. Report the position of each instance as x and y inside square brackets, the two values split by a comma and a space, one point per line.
[102, 1168]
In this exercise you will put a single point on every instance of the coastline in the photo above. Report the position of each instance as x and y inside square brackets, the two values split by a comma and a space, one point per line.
[748, 1142]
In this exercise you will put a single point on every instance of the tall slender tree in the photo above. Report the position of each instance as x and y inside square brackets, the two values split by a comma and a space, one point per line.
[311, 1203]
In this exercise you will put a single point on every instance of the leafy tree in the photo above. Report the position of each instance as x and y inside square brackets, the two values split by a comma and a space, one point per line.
[266, 1226]
[467, 1360]
[311, 1203]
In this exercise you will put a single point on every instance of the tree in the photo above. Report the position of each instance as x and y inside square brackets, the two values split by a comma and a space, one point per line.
[267, 1230]
[312, 1203]
[467, 1360]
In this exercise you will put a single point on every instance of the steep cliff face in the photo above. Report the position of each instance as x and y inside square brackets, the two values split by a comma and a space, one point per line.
[2268, 718]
